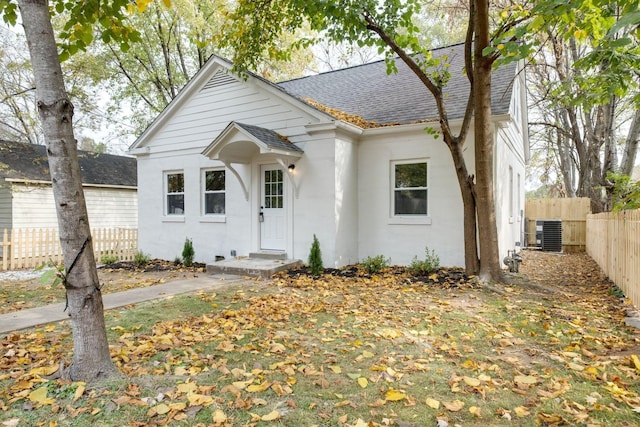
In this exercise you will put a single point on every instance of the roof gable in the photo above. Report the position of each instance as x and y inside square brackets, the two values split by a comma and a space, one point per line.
[238, 142]
[29, 162]
[369, 92]
[216, 74]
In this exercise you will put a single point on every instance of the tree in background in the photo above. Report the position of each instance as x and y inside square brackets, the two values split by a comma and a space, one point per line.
[584, 93]
[176, 41]
[18, 113]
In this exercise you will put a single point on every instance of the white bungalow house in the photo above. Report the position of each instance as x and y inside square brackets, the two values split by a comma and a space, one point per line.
[247, 165]
[26, 195]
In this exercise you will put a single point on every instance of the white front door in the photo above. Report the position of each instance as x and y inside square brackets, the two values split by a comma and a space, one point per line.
[273, 219]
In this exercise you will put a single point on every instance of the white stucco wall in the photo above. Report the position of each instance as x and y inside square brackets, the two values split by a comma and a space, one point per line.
[403, 238]
[315, 206]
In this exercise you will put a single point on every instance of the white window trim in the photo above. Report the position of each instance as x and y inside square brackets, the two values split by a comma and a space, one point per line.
[167, 217]
[407, 219]
[211, 217]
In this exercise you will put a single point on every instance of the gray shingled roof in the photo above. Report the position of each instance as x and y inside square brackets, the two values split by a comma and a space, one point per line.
[29, 162]
[368, 91]
[269, 137]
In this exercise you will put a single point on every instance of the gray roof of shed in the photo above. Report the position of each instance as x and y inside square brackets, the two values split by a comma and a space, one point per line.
[19, 160]
[398, 98]
[269, 137]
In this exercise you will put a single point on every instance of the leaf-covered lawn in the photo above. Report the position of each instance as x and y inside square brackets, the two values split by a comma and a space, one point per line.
[18, 295]
[547, 349]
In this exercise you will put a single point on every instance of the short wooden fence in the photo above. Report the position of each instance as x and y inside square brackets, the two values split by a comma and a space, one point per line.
[613, 241]
[32, 247]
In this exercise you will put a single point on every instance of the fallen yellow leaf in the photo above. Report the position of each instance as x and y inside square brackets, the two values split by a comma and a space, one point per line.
[472, 382]
[525, 379]
[79, 391]
[475, 411]
[162, 409]
[271, 416]
[363, 382]
[336, 369]
[187, 387]
[254, 388]
[636, 362]
[39, 395]
[433, 403]
[521, 411]
[394, 395]
[454, 406]
[219, 417]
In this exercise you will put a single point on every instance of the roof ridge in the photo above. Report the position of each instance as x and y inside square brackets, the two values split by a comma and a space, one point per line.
[359, 65]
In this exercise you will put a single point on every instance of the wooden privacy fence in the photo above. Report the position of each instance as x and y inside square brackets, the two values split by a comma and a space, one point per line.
[573, 213]
[613, 241]
[32, 247]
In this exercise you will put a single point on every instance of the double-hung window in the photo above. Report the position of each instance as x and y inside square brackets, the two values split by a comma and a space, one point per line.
[214, 192]
[409, 188]
[174, 182]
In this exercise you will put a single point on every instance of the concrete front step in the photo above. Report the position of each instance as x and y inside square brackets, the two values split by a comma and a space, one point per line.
[268, 255]
[254, 267]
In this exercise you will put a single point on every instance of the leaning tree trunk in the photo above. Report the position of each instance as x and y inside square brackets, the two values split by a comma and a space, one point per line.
[84, 299]
[490, 268]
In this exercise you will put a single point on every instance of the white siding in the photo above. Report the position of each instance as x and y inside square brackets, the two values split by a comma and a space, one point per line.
[5, 205]
[209, 111]
[34, 207]
[110, 207]
[509, 154]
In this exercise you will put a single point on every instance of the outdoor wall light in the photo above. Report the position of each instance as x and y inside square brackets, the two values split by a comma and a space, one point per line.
[291, 168]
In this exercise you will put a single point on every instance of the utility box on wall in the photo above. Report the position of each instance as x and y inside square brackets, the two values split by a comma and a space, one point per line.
[549, 235]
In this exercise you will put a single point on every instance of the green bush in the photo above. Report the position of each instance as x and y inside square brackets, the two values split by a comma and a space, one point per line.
[140, 259]
[188, 253]
[108, 259]
[315, 258]
[375, 264]
[430, 263]
[177, 261]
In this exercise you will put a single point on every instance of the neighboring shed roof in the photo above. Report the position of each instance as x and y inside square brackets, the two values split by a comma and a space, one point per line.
[29, 162]
[269, 137]
[398, 98]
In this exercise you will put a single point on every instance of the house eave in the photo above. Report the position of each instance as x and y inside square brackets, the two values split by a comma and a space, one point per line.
[39, 182]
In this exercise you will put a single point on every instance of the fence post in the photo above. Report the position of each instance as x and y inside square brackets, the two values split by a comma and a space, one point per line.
[6, 253]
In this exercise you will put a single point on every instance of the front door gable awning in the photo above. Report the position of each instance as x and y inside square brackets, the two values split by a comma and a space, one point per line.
[239, 143]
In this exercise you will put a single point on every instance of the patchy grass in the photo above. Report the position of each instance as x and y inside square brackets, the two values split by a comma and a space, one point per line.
[18, 295]
[350, 351]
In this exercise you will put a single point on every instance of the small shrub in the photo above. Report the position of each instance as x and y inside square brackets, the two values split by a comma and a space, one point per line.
[430, 263]
[108, 259]
[315, 258]
[177, 261]
[140, 259]
[188, 253]
[375, 264]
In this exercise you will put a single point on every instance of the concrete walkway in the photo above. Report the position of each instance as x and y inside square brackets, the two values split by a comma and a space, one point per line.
[55, 312]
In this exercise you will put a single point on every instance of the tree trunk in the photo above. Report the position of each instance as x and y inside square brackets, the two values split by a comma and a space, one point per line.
[84, 300]
[490, 269]
[471, 261]
[631, 145]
